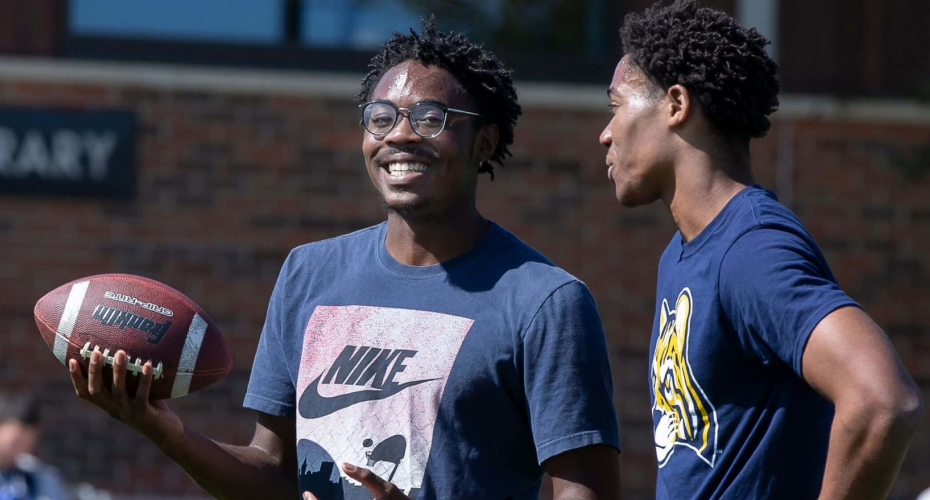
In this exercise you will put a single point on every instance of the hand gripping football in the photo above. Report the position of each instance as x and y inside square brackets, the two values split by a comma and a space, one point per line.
[151, 321]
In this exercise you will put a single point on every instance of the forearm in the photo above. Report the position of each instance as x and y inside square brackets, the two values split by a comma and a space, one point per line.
[267, 469]
[230, 472]
[866, 451]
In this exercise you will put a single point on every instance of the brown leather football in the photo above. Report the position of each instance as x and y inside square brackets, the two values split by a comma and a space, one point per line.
[147, 319]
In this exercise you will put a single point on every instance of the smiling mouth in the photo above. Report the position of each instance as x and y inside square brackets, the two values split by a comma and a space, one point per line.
[398, 170]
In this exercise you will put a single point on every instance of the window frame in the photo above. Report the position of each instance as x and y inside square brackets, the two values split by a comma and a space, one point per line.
[293, 54]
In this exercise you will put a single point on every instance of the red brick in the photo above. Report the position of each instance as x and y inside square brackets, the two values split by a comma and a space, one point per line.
[232, 182]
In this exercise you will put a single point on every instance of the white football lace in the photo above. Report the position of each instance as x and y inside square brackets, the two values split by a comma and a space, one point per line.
[134, 367]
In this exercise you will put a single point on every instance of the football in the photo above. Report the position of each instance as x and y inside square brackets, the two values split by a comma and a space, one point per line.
[150, 321]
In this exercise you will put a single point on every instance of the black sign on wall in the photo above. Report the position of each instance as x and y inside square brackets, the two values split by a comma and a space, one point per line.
[81, 153]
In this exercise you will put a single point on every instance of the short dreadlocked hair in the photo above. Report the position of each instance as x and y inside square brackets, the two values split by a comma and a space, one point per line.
[723, 64]
[483, 76]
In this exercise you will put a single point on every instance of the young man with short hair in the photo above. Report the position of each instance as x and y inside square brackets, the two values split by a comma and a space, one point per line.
[436, 350]
[767, 381]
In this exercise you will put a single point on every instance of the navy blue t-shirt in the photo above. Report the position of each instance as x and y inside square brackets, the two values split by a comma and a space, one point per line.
[732, 417]
[453, 381]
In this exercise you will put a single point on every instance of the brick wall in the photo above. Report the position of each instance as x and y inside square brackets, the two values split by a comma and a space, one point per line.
[229, 182]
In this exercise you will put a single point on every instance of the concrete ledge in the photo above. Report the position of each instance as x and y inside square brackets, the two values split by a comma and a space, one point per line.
[345, 85]
[179, 77]
[856, 110]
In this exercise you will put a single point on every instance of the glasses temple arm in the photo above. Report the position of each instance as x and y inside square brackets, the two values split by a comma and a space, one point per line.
[464, 112]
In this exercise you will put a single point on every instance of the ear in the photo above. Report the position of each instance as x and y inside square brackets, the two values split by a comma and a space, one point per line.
[486, 142]
[679, 105]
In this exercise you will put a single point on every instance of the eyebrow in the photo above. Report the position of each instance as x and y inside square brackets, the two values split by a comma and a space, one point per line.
[424, 101]
[612, 92]
[432, 101]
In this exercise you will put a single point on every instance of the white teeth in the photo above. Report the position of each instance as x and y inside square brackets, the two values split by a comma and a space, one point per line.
[400, 169]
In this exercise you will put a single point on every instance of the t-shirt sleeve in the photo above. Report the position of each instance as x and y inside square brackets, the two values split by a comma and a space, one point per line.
[271, 388]
[776, 287]
[567, 379]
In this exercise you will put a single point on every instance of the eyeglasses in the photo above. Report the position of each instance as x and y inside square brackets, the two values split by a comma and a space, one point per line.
[427, 119]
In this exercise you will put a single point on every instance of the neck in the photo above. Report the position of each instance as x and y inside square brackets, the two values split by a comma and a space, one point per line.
[703, 185]
[427, 241]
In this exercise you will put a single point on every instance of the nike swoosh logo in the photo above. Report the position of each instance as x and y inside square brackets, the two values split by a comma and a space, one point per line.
[314, 405]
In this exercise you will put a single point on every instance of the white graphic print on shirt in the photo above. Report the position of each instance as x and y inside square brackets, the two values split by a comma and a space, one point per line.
[369, 387]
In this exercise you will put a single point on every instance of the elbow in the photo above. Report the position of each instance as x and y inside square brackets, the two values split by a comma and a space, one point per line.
[895, 418]
[911, 411]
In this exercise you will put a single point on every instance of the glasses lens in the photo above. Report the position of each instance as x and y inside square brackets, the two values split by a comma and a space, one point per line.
[379, 118]
[427, 119]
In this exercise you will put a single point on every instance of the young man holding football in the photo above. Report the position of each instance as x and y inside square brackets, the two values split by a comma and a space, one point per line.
[436, 350]
[767, 381]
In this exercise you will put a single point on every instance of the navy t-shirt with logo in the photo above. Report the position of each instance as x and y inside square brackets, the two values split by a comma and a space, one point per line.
[453, 381]
[732, 417]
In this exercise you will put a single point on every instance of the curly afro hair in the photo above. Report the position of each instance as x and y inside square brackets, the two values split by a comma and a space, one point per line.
[723, 64]
[481, 74]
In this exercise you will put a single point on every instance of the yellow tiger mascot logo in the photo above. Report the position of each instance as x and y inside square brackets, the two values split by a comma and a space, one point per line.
[686, 417]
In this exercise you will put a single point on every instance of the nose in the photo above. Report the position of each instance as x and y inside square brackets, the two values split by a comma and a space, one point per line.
[606, 138]
[402, 133]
